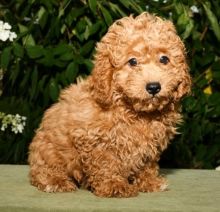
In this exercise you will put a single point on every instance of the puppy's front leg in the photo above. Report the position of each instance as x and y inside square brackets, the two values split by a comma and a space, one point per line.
[149, 180]
[107, 176]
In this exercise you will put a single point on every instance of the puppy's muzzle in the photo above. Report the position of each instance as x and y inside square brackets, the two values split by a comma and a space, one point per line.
[153, 88]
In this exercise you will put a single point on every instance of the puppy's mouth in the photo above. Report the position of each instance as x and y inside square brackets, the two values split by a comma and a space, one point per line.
[147, 102]
[150, 104]
[153, 103]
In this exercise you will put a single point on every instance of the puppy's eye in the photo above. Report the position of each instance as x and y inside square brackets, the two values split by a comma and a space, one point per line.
[164, 59]
[133, 62]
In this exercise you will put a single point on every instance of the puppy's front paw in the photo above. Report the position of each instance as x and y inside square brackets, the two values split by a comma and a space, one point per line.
[164, 186]
[153, 185]
[115, 189]
[58, 186]
[64, 187]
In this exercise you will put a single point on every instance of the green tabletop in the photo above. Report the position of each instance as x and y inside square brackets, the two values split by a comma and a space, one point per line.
[189, 190]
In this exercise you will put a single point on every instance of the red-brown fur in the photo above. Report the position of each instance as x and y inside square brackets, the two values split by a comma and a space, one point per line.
[107, 132]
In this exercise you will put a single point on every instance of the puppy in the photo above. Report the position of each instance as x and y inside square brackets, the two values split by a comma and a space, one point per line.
[106, 133]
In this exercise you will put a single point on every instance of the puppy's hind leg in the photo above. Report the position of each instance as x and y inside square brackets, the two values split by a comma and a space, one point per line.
[50, 167]
[51, 179]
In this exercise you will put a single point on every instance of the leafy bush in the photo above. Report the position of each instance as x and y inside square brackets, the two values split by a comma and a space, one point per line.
[56, 42]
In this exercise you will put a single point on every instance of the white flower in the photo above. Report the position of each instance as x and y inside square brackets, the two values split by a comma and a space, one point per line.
[7, 26]
[4, 35]
[20, 128]
[217, 168]
[17, 116]
[12, 36]
[5, 32]
[24, 118]
[17, 122]
[194, 9]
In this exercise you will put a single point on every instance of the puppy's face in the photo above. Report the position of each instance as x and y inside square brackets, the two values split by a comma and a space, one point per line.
[150, 76]
[148, 62]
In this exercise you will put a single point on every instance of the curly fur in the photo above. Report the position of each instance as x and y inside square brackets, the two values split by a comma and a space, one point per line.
[107, 132]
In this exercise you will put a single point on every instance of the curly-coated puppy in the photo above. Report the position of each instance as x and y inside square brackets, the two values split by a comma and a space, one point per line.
[107, 132]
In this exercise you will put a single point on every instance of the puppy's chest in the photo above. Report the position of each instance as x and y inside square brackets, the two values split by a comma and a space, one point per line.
[141, 139]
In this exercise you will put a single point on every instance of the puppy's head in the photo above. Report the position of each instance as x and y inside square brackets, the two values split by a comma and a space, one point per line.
[142, 60]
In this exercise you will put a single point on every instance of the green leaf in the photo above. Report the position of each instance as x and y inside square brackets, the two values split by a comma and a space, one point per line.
[125, 3]
[190, 104]
[18, 50]
[214, 99]
[106, 15]
[78, 59]
[212, 19]
[41, 84]
[42, 17]
[34, 80]
[116, 9]
[15, 72]
[183, 19]
[72, 71]
[53, 90]
[88, 64]
[22, 28]
[81, 26]
[67, 56]
[61, 13]
[136, 7]
[25, 81]
[55, 28]
[61, 78]
[48, 59]
[179, 7]
[86, 49]
[35, 51]
[5, 57]
[188, 30]
[93, 5]
[94, 28]
[63, 52]
[131, 5]
[59, 63]
[28, 38]
[74, 14]
[61, 49]
[86, 33]
[216, 66]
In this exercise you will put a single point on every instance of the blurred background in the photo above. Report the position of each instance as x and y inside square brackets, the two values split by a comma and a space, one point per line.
[46, 45]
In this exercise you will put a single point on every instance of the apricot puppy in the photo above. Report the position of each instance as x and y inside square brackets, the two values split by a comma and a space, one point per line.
[106, 133]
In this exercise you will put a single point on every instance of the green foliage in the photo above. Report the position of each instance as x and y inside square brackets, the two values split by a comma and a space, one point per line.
[56, 42]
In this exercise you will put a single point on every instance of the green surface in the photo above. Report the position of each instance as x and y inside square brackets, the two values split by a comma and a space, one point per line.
[189, 190]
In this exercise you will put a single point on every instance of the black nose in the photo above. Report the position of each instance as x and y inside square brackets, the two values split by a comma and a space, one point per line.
[153, 88]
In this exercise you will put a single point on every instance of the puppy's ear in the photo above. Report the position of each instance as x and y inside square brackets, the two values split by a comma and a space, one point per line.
[184, 87]
[101, 78]
[109, 56]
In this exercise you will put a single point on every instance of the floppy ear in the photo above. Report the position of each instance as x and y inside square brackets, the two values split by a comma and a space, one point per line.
[101, 78]
[108, 58]
[184, 87]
